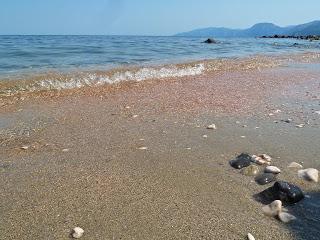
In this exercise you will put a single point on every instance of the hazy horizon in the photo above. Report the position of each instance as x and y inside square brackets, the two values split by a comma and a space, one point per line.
[146, 18]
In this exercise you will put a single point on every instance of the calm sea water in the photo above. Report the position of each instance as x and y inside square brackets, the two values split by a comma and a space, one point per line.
[21, 54]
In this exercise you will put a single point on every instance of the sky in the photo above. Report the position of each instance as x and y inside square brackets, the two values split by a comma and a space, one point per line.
[147, 17]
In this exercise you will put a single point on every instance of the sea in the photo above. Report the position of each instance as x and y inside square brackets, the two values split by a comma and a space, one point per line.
[31, 63]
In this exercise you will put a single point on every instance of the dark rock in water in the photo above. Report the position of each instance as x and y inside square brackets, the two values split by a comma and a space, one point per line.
[265, 178]
[243, 160]
[210, 40]
[284, 191]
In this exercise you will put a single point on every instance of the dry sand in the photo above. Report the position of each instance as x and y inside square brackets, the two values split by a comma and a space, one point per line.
[83, 166]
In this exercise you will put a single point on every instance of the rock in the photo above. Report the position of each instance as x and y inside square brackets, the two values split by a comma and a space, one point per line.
[241, 161]
[205, 136]
[309, 174]
[286, 217]
[295, 165]
[77, 232]
[252, 170]
[212, 126]
[300, 125]
[65, 150]
[272, 209]
[284, 191]
[272, 169]
[250, 237]
[210, 41]
[25, 147]
[265, 178]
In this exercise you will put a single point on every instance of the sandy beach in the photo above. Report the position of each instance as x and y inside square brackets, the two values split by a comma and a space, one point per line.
[136, 161]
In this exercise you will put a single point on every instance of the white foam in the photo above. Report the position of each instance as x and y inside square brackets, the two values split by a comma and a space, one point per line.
[94, 79]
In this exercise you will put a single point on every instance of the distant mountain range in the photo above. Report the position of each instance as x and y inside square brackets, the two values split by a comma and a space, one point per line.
[258, 30]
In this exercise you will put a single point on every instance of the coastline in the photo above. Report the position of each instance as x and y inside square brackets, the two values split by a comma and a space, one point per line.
[107, 185]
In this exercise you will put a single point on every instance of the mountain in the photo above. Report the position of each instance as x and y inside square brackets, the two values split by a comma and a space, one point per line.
[257, 30]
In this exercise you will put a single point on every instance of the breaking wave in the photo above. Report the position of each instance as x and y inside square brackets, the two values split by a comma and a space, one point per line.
[73, 80]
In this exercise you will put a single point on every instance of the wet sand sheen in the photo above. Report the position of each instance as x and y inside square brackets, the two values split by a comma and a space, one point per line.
[181, 186]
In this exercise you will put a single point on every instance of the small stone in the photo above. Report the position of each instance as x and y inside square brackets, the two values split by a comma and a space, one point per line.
[250, 236]
[273, 209]
[252, 170]
[295, 165]
[142, 148]
[77, 232]
[25, 147]
[212, 126]
[300, 125]
[309, 174]
[241, 161]
[317, 112]
[243, 136]
[265, 157]
[289, 120]
[286, 217]
[265, 178]
[205, 136]
[135, 116]
[65, 150]
[127, 107]
[261, 159]
[272, 169]
[284, 191]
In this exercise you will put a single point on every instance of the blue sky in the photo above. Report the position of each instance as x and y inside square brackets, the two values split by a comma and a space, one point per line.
[147, 17]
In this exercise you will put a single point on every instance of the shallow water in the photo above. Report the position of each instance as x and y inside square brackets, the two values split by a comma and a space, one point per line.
[42, 53]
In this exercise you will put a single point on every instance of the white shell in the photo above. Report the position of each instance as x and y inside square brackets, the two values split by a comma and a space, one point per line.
[77, 232]
[250, 237]
[273, 209]
[286, 217]
[310, 174]
[272, 169]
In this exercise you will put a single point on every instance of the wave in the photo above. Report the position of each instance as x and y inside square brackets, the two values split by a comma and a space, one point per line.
[73, 80]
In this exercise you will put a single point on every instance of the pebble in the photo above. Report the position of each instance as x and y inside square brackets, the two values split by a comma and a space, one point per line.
[284, 191]
[212, 126]
[273, 209]
[77, 232]
[250, 236]
[262, 159]
[135, 116]
[65, 150]
[295, 165]
[309, 174]
[265, 178]
[289, 120]
[241, 161]
[252, 170]
[272, 169]
[286, 217]
[317, 112]
[205, 136]
[25, 147]
[142, 148]
[300, 125]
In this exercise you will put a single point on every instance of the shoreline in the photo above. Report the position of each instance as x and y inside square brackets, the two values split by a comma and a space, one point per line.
[54, 80]
[86, 164]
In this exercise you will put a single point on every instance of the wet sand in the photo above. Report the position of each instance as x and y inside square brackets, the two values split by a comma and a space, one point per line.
[84, 166]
